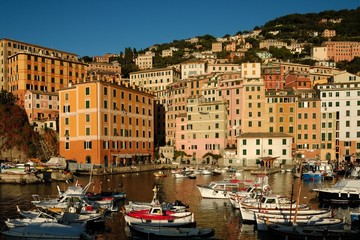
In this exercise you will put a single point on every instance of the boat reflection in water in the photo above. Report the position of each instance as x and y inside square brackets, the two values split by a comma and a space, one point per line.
[209, 213]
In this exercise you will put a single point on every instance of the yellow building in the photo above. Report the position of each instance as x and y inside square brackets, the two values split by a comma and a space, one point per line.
[103, 123]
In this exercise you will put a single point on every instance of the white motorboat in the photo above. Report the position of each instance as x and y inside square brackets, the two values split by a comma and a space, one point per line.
[345, 191]
[219, 189]
[41, 217]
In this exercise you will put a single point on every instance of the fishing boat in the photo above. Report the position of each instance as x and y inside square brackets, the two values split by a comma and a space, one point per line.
[295, 232]
[177, 205]
[171, 233]
[157, 216]
[271, 204]
[321, 218]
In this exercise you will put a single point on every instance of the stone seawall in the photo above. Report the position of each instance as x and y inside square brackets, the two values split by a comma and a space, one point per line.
[20, 178]
[123, 170]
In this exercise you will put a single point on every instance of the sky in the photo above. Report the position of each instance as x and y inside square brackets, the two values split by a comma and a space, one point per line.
[97, 27]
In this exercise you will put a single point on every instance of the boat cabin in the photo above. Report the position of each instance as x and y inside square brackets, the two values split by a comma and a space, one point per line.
[224, 186]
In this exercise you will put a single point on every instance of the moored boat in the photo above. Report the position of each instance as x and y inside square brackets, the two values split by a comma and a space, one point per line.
[296, 232]
[271, 204]
[157, 216]
[220, 189]
[47, 230]
[171, 233]
[345, 191]
[320, 218]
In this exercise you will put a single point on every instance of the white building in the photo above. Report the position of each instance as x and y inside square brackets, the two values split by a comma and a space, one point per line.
[319, 53]
[340, 116]
[253, 147]
[192, 67]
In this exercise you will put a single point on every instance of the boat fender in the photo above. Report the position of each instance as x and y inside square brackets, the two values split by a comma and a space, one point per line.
[348, 194]
[339, 194]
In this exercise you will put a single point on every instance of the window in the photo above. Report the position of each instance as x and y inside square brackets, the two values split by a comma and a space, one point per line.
[87, 104]
[87, 91]
[87, 131]
[87, 145]
[87, 118]
[269, 141]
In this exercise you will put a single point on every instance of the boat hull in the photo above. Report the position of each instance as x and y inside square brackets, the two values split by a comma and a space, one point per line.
[186, 220]
[49, 231]
[171, 233]
[211, 193]
[310, 233]
[352, 199]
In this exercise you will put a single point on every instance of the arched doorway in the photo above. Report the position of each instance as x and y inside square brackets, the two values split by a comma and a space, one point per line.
[87, 159]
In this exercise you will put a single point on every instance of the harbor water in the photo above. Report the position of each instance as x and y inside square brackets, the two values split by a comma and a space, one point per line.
[210, 213]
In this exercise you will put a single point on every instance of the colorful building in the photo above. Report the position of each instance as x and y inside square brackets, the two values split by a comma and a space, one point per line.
[105, 124]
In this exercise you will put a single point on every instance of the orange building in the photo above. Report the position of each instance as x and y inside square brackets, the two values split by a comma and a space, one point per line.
[41, 72]
[342, 50]
[105, 123]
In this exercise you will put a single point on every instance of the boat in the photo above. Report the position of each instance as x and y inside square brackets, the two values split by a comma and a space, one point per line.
[41, 217]
[355, 220]
[177, 205]
[295, 232]
[216, 171]
[304, 217]
[271, 203]
[220, 189]
[310, 175]
[345, 192]
[160, 174]
[258, 188]
[157, 216]
[206, 172]
[115, 195]
[171, 232]
[181, 174]
[47, 230]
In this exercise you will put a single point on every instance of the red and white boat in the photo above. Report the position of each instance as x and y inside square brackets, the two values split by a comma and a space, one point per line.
[157, 216]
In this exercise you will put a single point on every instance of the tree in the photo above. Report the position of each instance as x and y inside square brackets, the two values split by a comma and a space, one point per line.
[180, 154]
[86, 59]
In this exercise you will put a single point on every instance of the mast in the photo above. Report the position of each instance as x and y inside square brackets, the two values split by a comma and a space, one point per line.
[298, 195]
